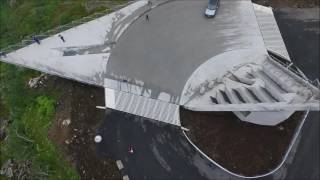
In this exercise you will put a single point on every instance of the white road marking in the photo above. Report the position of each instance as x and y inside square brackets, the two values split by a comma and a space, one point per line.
[119, 164]
[185, 129]
[126, 177]
[101, 107]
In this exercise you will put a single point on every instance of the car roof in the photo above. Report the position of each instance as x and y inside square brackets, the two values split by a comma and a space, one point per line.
[213, 1]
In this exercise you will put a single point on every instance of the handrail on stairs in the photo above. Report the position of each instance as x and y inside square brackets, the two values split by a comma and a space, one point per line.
[293, 68]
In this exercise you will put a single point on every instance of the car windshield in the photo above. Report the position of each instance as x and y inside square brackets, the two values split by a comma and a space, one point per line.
[212, 4]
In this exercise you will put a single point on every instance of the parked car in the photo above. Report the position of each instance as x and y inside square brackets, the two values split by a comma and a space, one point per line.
[212, 8]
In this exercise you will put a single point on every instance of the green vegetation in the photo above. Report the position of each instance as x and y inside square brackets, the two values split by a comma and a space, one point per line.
[30, 112]
[29, 17]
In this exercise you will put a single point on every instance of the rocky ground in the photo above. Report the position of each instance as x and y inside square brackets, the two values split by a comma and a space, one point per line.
[75, 125]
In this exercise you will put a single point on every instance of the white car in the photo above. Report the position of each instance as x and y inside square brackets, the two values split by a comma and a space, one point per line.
[211, 8]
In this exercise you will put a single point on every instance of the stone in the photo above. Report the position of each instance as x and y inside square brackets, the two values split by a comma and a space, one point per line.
[97, 138]
[66, 122]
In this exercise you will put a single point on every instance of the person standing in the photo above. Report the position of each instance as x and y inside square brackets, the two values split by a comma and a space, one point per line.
[130, 149]
[35, 39]
[3, 54]
[62, 38]
[147, 17]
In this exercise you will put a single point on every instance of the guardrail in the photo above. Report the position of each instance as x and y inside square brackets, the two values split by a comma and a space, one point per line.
[290, 66]
[29, 39]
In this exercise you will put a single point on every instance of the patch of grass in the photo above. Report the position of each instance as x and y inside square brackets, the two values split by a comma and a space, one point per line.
[34, 16]
[30, 135]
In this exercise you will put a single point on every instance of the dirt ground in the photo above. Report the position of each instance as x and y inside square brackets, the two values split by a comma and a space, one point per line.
[241, 147]
[289, 3]
[74, 127]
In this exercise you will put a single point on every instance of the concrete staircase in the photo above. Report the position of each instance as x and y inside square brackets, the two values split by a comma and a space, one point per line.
[270, 85]
[143, 106]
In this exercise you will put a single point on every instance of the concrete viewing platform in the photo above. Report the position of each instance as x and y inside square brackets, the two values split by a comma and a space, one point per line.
[151, 67]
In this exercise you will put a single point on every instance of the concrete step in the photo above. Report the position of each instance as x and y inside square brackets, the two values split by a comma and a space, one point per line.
[283, 80]
[268, 81]
[261, 94]
[274, 93]
[243, 80]
[236, 98]
[233, 97]
[247, 96]
[221, 98]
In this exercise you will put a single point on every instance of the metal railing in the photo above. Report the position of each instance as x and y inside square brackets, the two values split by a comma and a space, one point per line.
[30, 38]
[290, 66]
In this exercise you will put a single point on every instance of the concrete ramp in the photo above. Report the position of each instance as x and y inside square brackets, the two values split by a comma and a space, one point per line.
[270, 30]
[85, 53]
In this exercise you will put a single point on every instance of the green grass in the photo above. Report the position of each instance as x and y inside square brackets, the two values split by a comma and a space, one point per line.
[28, 17]
[35, 16]
[30, 112]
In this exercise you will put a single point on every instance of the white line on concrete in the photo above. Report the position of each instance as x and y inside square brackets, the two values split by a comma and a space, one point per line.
[119, 164]
[101, 107]
[185, 129]
[125, 177]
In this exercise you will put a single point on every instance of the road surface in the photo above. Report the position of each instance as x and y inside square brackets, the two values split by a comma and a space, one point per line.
[161, 152]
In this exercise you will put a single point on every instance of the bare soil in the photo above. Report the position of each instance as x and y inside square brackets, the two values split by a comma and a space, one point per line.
[289, 3]
[240, 147]
[74, 128]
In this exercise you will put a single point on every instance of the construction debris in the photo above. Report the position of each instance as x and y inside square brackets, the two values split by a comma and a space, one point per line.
[16, 170]
[37, 81]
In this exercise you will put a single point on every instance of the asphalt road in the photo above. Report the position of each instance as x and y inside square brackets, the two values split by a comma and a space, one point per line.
[301, 34]
[161, 152]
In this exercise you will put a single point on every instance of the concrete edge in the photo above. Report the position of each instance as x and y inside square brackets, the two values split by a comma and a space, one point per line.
[88, 82]
[297, 131]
